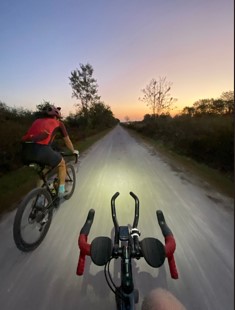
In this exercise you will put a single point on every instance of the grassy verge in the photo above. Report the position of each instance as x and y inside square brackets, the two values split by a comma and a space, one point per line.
[219, 181]
[16, 184]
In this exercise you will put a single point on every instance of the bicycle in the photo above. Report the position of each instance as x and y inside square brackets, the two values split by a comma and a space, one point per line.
[127, 246]
[34, 214]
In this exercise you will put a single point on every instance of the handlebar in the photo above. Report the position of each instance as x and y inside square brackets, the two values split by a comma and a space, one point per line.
[136, 218]
[85, 247]
[115, 222]
[69, 154]
[116, 226]
[170, 244]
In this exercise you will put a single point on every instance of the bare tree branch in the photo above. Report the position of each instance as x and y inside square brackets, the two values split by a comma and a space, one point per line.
[157, 96]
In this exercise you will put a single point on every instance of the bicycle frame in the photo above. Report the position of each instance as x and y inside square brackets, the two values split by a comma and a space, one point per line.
[43, 176]
[102, 251]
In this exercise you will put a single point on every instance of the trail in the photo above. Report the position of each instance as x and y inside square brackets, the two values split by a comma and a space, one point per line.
[201, 220]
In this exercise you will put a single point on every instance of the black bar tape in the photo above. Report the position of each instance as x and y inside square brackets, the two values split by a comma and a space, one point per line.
[87, 226]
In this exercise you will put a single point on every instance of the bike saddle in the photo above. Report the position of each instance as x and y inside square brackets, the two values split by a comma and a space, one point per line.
[101, 250]
[153, 251]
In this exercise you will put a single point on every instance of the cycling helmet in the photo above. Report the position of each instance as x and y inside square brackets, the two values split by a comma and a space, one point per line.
[53, 111]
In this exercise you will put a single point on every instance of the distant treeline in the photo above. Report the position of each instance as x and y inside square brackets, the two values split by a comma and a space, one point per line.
[204, 132]
[14, 122]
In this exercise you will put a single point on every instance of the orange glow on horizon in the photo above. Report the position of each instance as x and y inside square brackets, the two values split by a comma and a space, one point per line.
[138, 111]
[135, 110]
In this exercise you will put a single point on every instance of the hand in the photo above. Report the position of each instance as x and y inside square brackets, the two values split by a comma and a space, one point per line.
[76, 152]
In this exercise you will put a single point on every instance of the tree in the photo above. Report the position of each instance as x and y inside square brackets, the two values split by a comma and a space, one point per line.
[228, 98]
[157, 96]
[127, 119]
[202, 106]
[84, 87]
[217, 107]
[227, 95]
[221, 106]
[101, 115]
[189, 111]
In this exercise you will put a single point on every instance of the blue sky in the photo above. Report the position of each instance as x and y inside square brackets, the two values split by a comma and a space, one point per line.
[128, 42]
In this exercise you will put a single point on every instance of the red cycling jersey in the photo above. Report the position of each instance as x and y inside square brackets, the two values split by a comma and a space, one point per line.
[43, 131]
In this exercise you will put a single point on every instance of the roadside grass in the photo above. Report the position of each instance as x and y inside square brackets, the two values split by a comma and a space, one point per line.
[216, 179]
[16, 184]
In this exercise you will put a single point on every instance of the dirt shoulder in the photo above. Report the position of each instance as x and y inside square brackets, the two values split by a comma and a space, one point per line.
[217, 186]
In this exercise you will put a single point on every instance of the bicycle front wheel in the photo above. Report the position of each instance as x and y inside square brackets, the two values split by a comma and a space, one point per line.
[70, 181]
[32, 219]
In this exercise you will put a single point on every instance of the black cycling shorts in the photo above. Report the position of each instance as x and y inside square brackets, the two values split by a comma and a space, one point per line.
[40, 154]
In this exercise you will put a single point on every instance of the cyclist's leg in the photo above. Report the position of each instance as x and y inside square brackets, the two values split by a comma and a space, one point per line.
[31, 153]
[61, 176]
[47, 156]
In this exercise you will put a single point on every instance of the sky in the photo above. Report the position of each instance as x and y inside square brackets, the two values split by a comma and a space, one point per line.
[127, 42]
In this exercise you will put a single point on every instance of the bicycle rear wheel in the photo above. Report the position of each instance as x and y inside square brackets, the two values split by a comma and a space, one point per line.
[70, 181]
[32, 219]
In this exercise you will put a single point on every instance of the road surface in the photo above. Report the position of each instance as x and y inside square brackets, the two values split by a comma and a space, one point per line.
[201, 220]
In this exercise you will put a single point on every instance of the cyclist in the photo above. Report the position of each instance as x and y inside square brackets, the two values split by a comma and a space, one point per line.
[37, 143]
[161, 299]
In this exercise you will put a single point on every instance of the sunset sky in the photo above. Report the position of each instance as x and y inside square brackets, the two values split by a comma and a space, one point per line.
[127, 42]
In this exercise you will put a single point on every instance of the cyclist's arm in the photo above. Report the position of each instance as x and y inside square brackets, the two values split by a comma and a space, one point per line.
[66, 138]
[68, 143]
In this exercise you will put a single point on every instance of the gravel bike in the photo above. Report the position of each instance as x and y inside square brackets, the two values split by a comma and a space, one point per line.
[34, 214]
[127, 246]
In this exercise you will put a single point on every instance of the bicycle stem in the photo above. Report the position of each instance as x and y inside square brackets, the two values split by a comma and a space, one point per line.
[127, 279]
